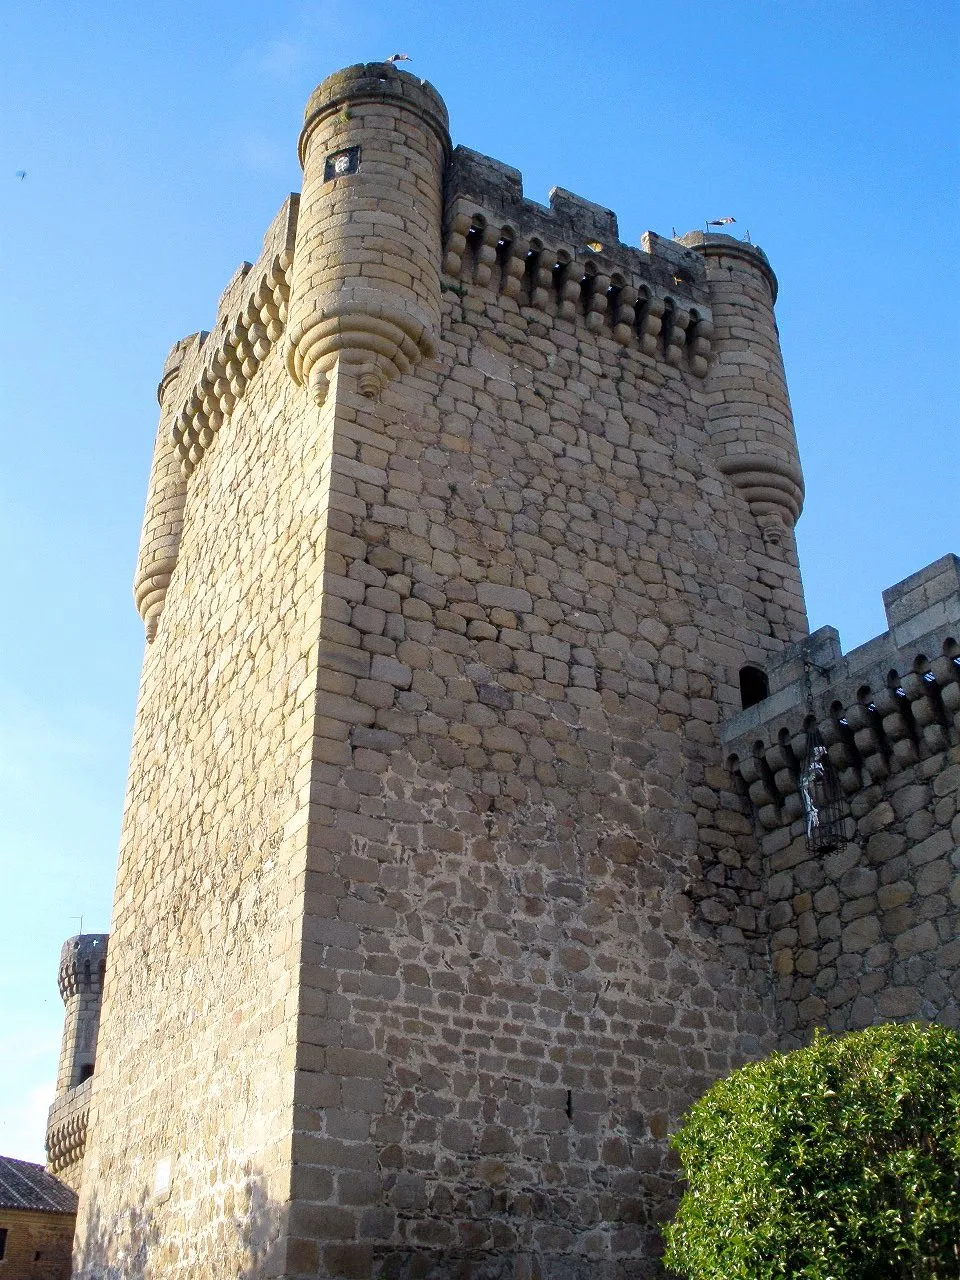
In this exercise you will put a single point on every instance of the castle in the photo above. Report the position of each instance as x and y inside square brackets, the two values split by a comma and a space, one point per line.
[465, 841]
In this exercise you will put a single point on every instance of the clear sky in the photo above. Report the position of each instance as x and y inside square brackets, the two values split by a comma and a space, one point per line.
[158, 140]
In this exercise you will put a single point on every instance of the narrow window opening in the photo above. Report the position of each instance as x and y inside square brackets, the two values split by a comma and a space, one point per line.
[754, 686]
[560, 270]
[3, 1242]
[569, 1104]
[866, 700]
[588, 284]
[786, 747]
[86, 1071]
[504, 250]
[693, 332]
[475, 238]
[531, 269]
[641, 311]
[666, 331]
[766, 773]
[903, 708]
[739, 781]
[614, 290]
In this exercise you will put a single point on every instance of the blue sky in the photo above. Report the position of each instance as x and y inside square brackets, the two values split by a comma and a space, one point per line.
[158, 141]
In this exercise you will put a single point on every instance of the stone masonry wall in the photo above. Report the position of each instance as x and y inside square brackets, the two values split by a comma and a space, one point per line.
[434, 908]
[187, 1167]
[869, 932]
[520, 792]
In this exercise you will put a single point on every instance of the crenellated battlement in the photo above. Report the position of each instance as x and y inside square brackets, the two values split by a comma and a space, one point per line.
[82, 961]
[567, 259]
[880, 709]
[218, 365]
[861, 911]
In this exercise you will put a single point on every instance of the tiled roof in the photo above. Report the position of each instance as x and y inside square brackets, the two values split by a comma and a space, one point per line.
[29, 1186]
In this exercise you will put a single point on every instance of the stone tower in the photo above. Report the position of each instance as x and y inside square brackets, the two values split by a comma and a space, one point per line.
[80, 978]
[436, 900]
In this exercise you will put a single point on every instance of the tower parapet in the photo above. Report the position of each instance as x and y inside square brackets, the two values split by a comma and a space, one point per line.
[80, 979]
[567, 260]
[205, 377]
[250, 319]
[366, 284]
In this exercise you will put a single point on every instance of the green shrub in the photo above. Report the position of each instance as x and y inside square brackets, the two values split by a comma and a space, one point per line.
[840, 1161]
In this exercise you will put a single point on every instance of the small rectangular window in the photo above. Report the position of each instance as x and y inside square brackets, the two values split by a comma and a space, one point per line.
[3, 1242]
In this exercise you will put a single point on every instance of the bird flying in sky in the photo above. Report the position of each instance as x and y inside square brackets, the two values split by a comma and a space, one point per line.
[398, 57]
[720, 222]
[21, 174]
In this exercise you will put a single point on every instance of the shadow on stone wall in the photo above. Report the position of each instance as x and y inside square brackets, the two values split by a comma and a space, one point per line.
[143, 1240]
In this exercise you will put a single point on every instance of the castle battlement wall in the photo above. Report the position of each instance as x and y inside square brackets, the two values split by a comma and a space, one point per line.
[870, 930]
[568, 259]
[218, 365]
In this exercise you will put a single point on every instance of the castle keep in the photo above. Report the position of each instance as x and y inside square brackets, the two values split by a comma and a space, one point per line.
[454, 866]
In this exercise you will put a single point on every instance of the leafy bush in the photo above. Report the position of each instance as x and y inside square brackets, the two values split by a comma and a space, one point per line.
[840, 1161]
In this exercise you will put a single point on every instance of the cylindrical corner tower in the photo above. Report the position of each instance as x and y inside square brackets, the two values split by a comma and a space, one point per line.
[80, 978]
[751, 424]
[366, 284]
[166, 496]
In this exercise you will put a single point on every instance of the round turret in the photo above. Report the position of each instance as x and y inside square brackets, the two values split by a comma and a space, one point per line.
[80, 978]
[166, 498]
[751, 424]
[365, 288]
[82, 960]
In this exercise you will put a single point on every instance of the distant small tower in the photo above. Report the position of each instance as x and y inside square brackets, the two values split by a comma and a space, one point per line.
[82, 961]
[366, 286]
[80, 977]
[750, 420]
